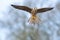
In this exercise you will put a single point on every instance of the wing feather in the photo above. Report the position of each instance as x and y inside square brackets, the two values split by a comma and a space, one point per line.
[22, 8]
[43, 10]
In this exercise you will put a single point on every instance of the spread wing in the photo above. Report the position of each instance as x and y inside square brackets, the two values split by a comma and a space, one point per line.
[43, 10]
[22, 8]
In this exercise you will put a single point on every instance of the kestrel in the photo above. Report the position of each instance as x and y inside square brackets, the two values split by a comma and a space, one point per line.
[33, 11]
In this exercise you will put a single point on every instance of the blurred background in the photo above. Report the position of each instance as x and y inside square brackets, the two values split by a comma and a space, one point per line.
[14, 23]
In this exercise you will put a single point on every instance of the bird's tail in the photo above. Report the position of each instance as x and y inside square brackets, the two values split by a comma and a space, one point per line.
[34, 20]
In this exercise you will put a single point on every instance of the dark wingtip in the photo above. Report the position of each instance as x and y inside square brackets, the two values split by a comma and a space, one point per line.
[12, 5]
[51, 8]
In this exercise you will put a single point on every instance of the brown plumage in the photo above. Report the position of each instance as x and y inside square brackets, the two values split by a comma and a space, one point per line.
[34, 19]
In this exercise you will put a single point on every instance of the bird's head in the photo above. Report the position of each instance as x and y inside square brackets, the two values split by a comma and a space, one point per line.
[34, 10]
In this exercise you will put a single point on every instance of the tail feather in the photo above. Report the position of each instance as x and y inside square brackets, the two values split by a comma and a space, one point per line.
[34, 20]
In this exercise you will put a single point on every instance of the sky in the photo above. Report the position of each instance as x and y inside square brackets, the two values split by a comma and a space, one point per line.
[8, 23]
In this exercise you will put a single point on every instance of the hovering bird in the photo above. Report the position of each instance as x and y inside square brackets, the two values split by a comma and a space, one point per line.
[33, 11]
